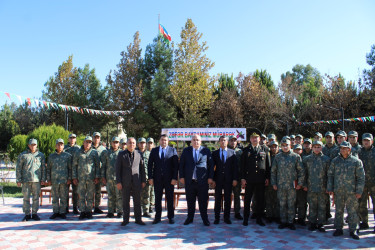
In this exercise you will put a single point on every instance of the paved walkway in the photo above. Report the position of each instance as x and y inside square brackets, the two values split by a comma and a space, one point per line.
[103, 233]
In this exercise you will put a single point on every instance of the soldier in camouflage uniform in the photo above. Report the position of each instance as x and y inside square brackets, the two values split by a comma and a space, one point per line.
[108, 173]
[330, 145]
[149, 146]
[59, 174]
[85, 174]
[145, 193]
[367, 155]
[270, 139]
[272, 203]
[318, 136]
[346, 180]
[96, 145]
[31, 173]
[292, 141]
[286, 168]
[263, 140]
[353, 140]
[298, 149]
[71, 148]
[298, 139]
[123, 143]
[340, 138]
[316, 167]
[232, 144]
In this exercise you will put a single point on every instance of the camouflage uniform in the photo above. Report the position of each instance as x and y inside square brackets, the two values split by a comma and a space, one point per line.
[30, 171]
[332, 151]
[368, 159]
[108, 171]
[85, 169]
[286, 168]
[98, 187]
[59, 171]
[272, 203]
[316, 168]
[301, 203]
[145, 194]
[346, 178]
[237, 188]
[355, 149]
[71, 150]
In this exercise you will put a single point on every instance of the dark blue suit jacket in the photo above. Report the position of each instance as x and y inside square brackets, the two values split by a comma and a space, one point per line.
[205, 168]
[228, 171]
[167, 170]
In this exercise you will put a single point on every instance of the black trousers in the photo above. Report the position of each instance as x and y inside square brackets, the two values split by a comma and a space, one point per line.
[135, 190]
[194, 190]
[159, 186]
[220, 185]
[256, 189]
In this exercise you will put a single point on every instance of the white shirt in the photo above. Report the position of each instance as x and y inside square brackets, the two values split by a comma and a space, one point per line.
[164, 150]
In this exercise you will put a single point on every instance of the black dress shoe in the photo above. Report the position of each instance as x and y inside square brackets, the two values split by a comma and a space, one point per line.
[139, 222]
[82, 216]
[301, 222]
[206, 223]
[110, 215]
[119, 215]
[312, 227]
[75, 210]
[216, 221]
[268, 220]
[283, 225]
[364, 225]
[321, 228]
[260, 222]
[253, 216]
[124, 223]
[228, 221]
[292, 226]
[63, 216]
[245, 223]
[35, 217]
[98, 211]
[54, 216]
[146, 215]
[188, 221]
[89, 215]
[171, 221]
[156, 221]
[354, 235]
[26, 218]
[338, 232]
[238, 216]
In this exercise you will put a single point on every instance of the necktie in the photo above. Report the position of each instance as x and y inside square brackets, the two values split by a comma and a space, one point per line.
[196, 156]
[162, 155]
[222, 156]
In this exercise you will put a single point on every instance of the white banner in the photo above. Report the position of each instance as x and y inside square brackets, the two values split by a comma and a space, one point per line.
[207, 134]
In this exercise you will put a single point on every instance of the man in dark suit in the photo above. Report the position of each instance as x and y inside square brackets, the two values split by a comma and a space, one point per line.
[196, 172]
[226, 172]
[162, 173]
[255, 174]
[130, 178]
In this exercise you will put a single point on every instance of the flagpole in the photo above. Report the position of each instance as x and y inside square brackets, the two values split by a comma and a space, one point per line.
[158, 25]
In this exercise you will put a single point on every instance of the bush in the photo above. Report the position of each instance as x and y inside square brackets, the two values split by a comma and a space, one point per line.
[16, 146]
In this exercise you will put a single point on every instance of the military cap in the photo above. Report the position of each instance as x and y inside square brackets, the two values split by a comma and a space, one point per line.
[292, 137]
[319, 134]
[232, 137]
[271, 136]
[59, 141]
[345, 144]
[72, 136]
[116, 138]
[285, 141]
[150, 140]
[286, 138]
[307, 140]
[142, 139]
[33, 141]
[367, 136]
[254, 134]
[96, 134]
[123, 140]
[297, 146]
[263, 136]
[341, 133]
[329, 133]
[317, 143]
[299, 135]
[353, 133]
[273, 143]
[88, 138]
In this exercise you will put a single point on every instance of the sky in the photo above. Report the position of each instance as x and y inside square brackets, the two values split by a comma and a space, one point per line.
[37, 36]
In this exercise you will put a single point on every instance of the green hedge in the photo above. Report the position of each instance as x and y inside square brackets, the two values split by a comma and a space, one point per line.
[16, 145]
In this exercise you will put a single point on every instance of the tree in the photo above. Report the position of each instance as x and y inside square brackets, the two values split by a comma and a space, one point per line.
[226, 110]
[225, 82]
[192, 87]
[264, 78]
[8, 126]
[126, 87]
[369, 74]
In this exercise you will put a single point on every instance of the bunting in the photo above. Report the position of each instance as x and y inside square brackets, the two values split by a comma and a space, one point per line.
[357, 119]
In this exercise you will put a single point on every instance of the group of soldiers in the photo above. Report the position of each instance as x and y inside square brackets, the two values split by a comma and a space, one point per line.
[282, 181]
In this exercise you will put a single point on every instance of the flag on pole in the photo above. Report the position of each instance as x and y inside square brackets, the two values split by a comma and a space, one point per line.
[164, 32]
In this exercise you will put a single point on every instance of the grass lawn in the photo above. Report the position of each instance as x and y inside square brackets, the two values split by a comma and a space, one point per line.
[11, 189]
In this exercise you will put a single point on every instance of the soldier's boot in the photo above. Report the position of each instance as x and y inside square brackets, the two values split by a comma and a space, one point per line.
[321, 228]
[89, 215]
[146, 215]
[54, 216]
[283, 225]
[75, 210]
[110, 215]
[312, 227]
[119, 215]
[354, 235]
[82, 216]
[98, 211]
[292, 226]
[260, 222]
[63, 216]
[238, 216]
[338, 232]
[245, 221]
[35, 217]
[364, 225]
[26, 218]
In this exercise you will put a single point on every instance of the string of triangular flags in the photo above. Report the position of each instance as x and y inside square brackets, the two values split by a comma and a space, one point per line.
[358, 119]
[58, 106]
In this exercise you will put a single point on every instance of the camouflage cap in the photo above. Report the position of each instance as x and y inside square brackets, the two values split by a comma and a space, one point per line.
[33, 141]
[263, 136]
[116, 138]
[292, 137]
[285, 141]
[59, 141]
[367, 136]
[317, 143]
[318, 134]
[96, 134]
[123, 140]
[232, 137]
[307, 140]
[341, 133]
[297, 146]
[150, 140]
[72, 136]
[299, 135]
[286, 138]
[273, 143]
[345, 144]
[88, 138]
[329, 133]
[353, 133]
[142, 139]
[271, 137]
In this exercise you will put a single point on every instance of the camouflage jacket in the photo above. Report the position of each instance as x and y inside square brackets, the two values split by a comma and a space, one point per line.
[355, 149]
[286, 168]
[145, 155]
[316, 168]
[31, 167]
[71, 150]
[346, 175]
[108, 159]
[368, 159]
[86, 165]
[59, 168]
[304, 154]
[328, 151]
